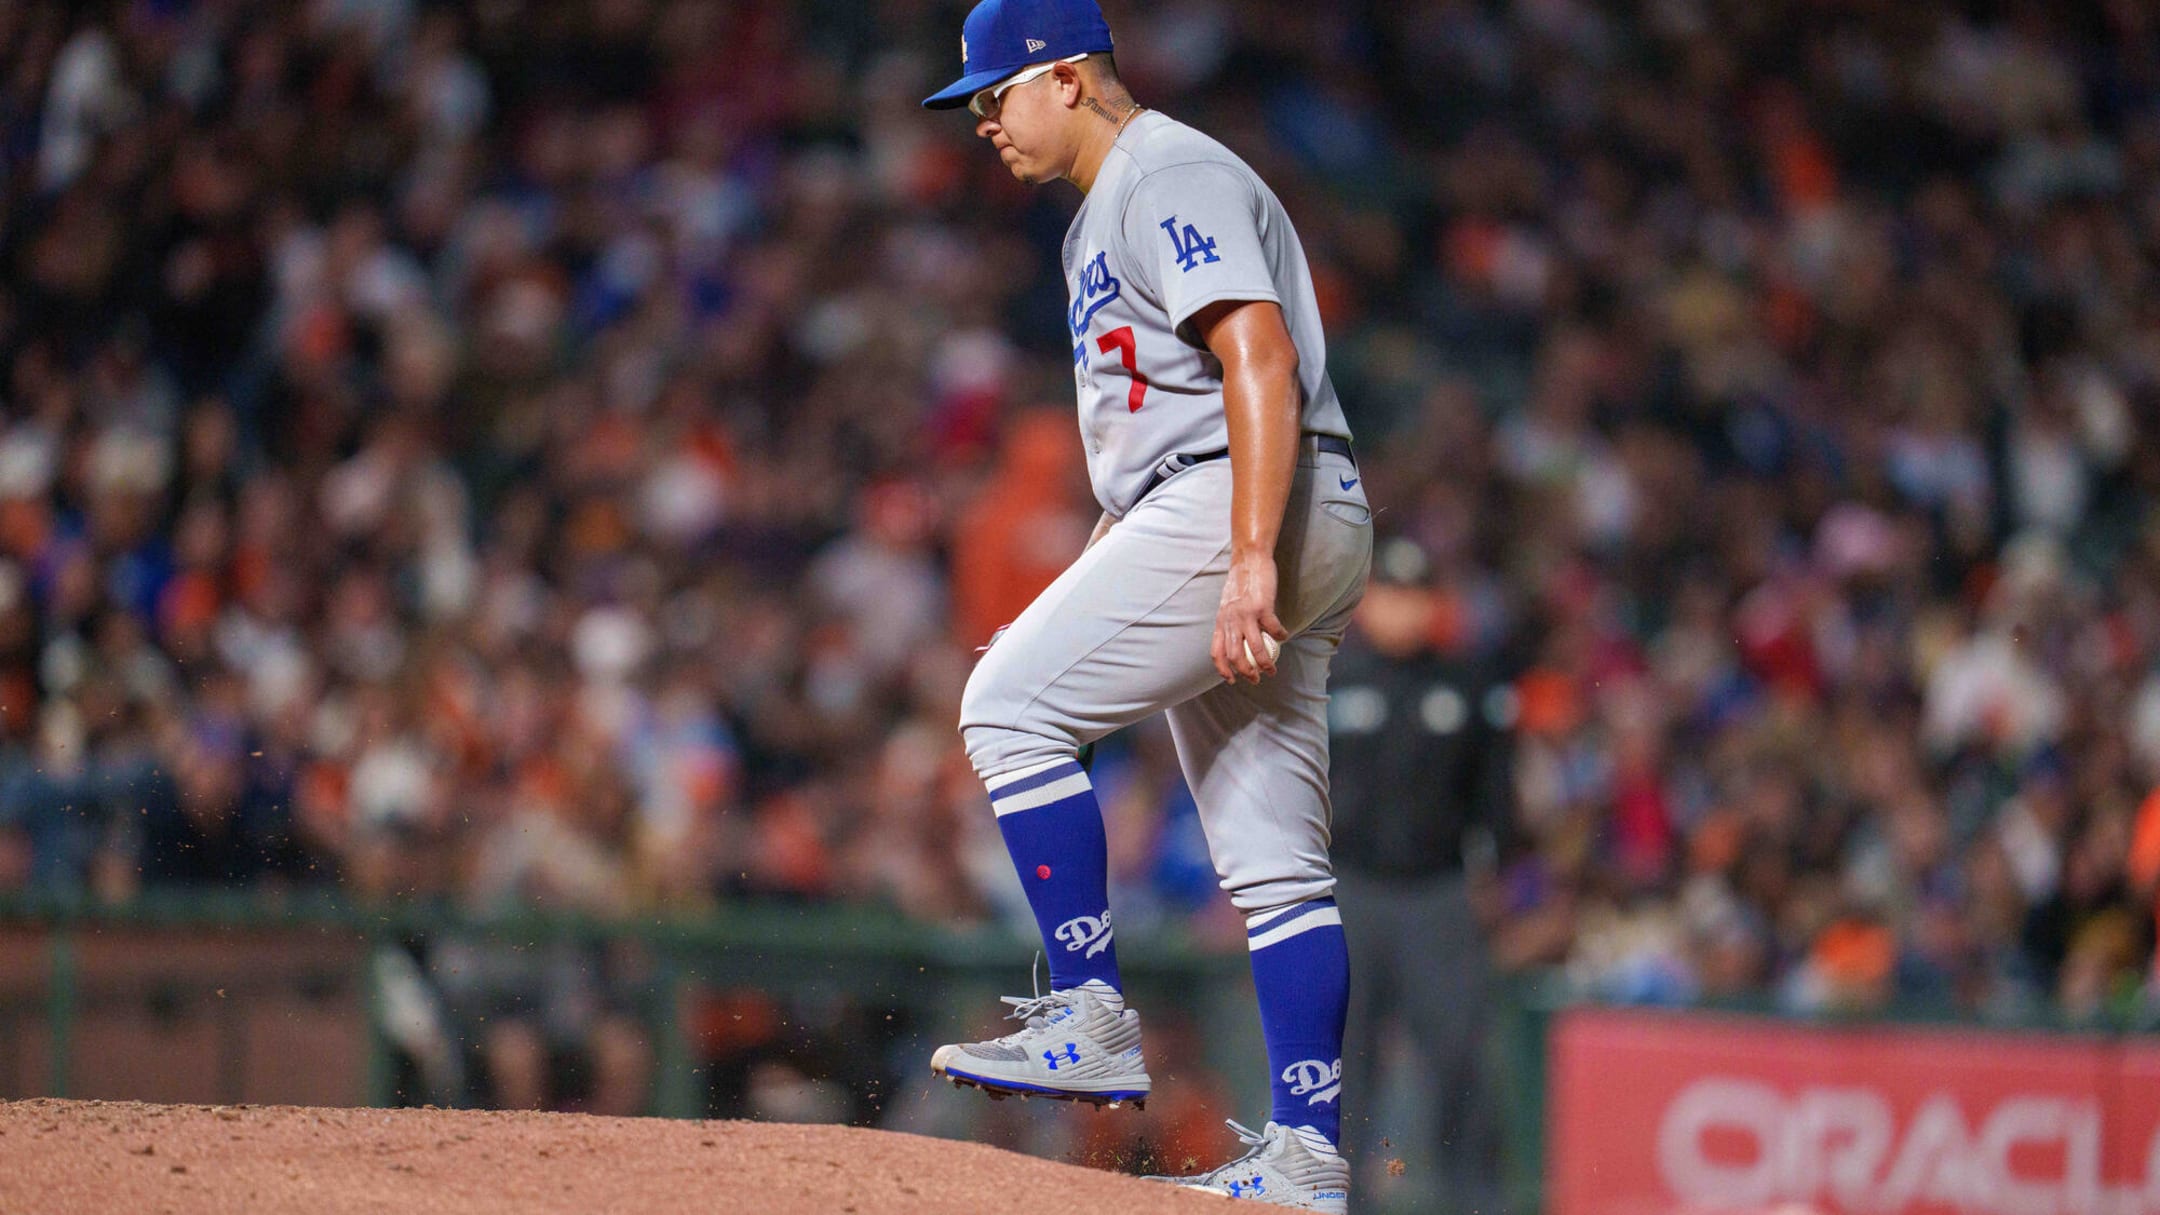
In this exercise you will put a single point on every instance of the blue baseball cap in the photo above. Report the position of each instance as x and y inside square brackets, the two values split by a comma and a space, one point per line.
[1000, 37]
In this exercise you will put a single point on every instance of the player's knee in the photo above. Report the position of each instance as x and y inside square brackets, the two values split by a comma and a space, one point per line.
[989, 714]
[993, 749]
[982, 701]
[983, 743]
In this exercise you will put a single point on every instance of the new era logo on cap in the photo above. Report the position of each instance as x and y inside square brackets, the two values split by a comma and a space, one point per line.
[1004, 37]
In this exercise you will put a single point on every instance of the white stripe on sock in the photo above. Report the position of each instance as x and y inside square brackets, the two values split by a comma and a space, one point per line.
[1319, 1143]
[1262, 919]
[1111, 997]
[1055, 791]
[1262, 922]
[1003, 779]
[1319, 918]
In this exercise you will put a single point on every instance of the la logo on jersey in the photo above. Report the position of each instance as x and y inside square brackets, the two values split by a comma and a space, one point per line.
[1089, 933]
[1189, 247]
[1317, 1082]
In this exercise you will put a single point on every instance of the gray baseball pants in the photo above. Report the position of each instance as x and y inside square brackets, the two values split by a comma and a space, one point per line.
[1124, 633]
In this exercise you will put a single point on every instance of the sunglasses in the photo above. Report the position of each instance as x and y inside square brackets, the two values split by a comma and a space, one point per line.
[984, 104]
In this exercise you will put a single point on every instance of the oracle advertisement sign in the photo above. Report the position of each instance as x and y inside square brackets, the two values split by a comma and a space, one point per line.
[1667, 1113]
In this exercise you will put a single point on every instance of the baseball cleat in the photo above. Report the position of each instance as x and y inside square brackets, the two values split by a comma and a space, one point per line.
[1081, 1044]
[1286, 1166]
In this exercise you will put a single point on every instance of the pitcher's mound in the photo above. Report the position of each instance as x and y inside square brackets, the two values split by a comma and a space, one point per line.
[98, 1156]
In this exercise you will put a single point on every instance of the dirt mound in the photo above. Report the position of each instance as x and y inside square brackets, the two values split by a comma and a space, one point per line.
[102, 1156]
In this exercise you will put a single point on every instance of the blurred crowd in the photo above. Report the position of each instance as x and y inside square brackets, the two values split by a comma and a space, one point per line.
[566, 452]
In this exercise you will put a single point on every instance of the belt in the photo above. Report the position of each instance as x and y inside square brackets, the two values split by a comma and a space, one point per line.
[1181, 461]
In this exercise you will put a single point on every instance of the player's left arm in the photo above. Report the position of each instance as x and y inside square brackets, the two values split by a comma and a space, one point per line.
[1261, 408]
[1194, 231]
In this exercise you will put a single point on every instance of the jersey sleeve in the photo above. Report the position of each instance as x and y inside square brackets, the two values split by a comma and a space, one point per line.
[1195, 228]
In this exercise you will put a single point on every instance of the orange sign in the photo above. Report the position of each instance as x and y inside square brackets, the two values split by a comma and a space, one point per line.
[1655, 1113]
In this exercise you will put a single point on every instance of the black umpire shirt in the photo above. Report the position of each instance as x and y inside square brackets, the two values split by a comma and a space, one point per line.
[1420, 760]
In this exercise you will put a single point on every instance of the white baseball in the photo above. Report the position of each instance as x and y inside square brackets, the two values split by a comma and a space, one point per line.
[1274, 647]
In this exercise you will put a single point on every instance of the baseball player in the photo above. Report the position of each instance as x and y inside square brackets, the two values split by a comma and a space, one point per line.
[1234, 520]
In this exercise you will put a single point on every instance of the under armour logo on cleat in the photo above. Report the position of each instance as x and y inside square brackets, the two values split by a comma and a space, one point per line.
[1072, 1055]
[1255, 1188]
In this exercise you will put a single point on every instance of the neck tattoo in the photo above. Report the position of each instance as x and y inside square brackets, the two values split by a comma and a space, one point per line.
[1118, 124]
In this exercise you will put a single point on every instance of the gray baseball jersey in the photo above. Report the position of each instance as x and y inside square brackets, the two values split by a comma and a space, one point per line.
[1176, 222]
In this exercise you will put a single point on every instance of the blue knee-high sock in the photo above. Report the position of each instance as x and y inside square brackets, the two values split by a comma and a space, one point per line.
[1301, 969]
[1054, 830]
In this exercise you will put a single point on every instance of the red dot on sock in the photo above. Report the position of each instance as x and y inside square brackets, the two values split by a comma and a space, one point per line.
[1042, 871]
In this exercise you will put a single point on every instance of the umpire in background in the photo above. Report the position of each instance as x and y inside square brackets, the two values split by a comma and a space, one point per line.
[1423, 795]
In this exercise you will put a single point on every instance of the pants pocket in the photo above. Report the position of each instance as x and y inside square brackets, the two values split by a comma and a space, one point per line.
[1356, 514]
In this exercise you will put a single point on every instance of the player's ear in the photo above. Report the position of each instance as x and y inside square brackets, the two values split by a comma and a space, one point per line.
[1071, 88]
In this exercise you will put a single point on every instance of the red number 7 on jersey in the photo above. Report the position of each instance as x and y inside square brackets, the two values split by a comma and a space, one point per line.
[1121, 340]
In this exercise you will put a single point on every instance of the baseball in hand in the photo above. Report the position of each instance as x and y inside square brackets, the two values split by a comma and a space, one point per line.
[1274, 647]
